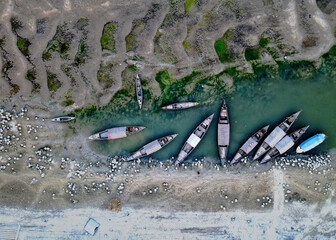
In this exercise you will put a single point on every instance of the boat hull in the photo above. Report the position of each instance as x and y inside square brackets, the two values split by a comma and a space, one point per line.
[223, 133]
[276, 135]
[138, 89]
[284, 144]
[180, 106]
[116, 133]
[194, 139]
[63, 119]
[311, 143]
[250, 144]
[152, 147]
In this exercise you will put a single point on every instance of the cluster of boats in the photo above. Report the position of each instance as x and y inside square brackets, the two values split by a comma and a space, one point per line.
[275, 143]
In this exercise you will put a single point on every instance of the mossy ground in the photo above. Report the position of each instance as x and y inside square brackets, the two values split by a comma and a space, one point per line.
[31, 76]
[23, 45]
[104, 76]
[81, 54]
[60, 43]
[53, 83]
[107, 39]
[188, 5]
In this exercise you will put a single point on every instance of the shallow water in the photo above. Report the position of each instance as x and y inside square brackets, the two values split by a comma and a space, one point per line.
[252, 105]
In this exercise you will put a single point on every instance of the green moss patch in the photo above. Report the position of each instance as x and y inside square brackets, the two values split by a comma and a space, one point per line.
[103, 75]
[107, 39]
[251, 54]
[60, 43]
[222, 51]
[188, 5]
[82, 23]
[81, 54]
[23, 44]
[31, 76]
[131, 41]
[53, 83]
[263, 42]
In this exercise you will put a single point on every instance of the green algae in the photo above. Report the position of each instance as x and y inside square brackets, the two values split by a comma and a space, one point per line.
[222, 51]
[107, 40]
[31, 76]
[23, 45]
[251, 54]
[59, 43]
[53, 83]
[188, 4]
[81, 54]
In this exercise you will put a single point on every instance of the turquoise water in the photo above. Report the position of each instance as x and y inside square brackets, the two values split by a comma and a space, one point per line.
[253, 104]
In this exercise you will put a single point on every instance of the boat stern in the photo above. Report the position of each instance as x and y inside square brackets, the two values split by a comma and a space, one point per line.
[94, 136]
[299, 150]
[265, 159]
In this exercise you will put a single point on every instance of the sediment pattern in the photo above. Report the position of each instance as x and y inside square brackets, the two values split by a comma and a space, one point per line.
[53, 50]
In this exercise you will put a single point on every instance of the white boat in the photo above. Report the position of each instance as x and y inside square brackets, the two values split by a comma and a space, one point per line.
[115, 133]
[138, 90]
[284, 144]
[152, 147]
[180, 105]
[250, 144]
[63, 119]
[311, 143]
[194, 139]
[223, 133]
[276, 135]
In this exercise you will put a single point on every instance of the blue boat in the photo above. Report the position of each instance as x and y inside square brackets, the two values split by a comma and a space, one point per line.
[310, 143]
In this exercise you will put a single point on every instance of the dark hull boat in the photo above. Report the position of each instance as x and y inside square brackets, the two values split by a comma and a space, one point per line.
[63, 119]
[276, 135]
[138, 90]
[180, 106]
[223, 133]
[250, 144]
[284, 144]
[152, 147]
[115, 133]
[194, 139]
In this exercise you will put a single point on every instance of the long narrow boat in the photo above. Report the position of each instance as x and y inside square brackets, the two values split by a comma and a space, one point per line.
[311, 143]
[115, 133]
[63, 119]
[276, 135]
[284, 144]
[223, 133]
[138, 90]
[179, 106]
[250, 144]
[152, 147]
[194, 139]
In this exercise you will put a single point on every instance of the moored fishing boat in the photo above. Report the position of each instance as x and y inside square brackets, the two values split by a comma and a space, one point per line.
[138, 90]
[311, 143]
[276, 135]
[284, 144]
[194, 139]
[250, 144]
[223, 133]
[152, 147]
[63, 119]
[180, 106]
[115, 133]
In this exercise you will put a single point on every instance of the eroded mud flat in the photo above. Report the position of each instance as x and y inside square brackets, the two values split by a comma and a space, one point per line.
[266, 58]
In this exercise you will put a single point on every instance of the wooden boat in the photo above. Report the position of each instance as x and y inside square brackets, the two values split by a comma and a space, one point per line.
[138, 90]
[250, 144]
[152, 147]
[194, 139]
[284, 144]
[311, 143]
[115, 133]
[223, 133]
[276, 135]
[179, 106]
[63, 119]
